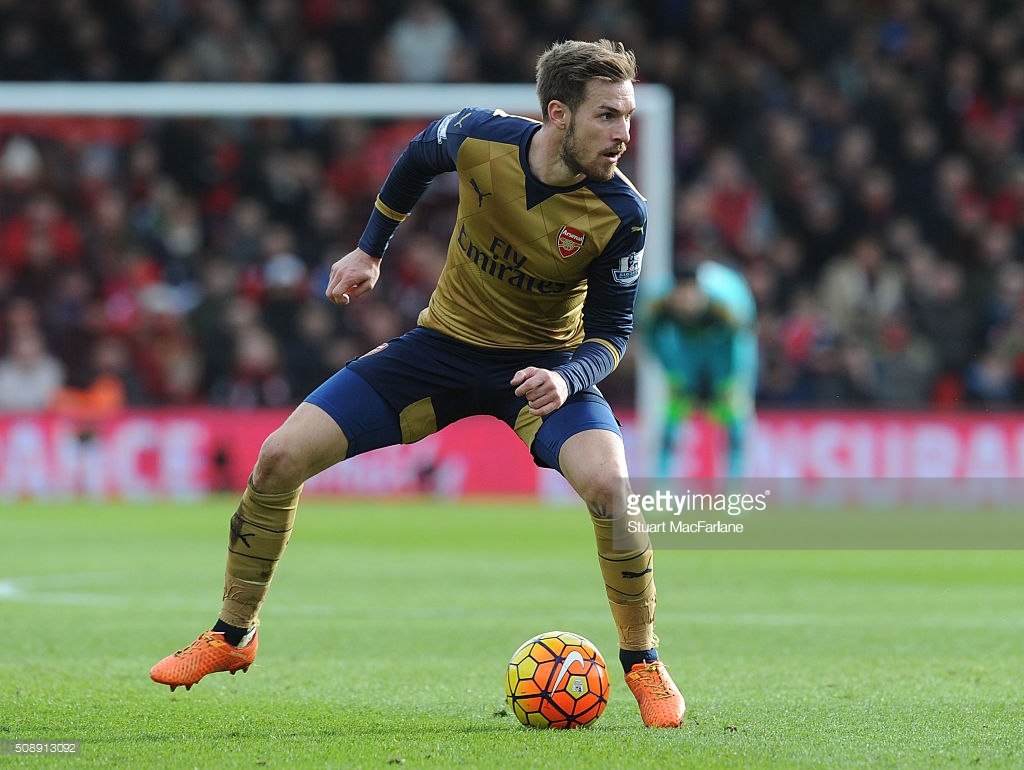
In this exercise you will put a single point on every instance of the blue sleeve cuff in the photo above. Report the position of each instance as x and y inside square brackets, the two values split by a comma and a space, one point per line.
[377, 234]
[590, 364]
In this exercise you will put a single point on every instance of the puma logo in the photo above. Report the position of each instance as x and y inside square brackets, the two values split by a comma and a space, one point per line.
[236, 531]
[480, 195]
[628, 575]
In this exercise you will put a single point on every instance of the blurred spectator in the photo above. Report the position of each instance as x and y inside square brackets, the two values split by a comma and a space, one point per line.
[991, 379]
[170, 360]
[283, 282]
[257, 379]
[421, 42]
[944, 313]
[907, 364]
[352, 28]
[113, 383]
[73, 318]
[916, 167]
[225, 47]
[21, 170]
[307, 359]
[504, 51]
[861, 289]
[208, 320]
[856, 378]
[736, 207]
[421, 259]
[30, 377]
[41, 237]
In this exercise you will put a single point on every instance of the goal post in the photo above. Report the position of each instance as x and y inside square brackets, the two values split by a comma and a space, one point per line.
[653, 150]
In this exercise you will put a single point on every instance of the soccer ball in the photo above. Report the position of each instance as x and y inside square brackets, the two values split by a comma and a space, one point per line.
[557, 680]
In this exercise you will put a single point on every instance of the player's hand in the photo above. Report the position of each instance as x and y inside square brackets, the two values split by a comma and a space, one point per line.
[352, 276]
[543, 389]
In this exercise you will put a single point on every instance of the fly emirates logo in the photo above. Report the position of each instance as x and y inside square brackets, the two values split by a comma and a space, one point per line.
[504, 263]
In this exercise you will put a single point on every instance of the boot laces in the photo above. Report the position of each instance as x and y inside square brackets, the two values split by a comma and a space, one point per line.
[651, 676]
[202, 641]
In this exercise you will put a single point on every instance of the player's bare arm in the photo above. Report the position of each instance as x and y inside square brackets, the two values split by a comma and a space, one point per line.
[352, 276]
[543, 389]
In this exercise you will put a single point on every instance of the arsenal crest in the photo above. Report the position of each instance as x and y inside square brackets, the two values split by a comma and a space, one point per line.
[570, 240]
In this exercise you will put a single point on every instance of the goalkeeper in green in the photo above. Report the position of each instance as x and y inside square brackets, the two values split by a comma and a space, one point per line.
[702, 330]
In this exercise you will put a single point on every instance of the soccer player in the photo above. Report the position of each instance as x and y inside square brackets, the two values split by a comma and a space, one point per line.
[703, 332]
[533, 307]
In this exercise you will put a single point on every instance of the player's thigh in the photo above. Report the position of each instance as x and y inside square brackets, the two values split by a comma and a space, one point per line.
[359, 410]
[594, 463]
[306, 443]
[582, 440]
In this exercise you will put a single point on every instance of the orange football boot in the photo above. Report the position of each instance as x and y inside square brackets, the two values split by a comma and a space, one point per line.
[661, 704]
[206, 655]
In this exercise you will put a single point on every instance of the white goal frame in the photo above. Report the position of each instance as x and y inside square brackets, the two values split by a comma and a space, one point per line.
[653, 149]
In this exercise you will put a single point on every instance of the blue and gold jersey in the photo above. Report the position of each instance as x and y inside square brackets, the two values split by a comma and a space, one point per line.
[529, 266]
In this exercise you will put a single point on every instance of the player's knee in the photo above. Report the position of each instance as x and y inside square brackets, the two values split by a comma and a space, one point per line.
[280, 466]
[604, 493]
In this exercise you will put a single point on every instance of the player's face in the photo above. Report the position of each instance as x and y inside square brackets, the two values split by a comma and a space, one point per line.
[598, 130]
[687, 300]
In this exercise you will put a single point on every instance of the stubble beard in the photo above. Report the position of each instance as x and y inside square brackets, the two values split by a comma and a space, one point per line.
[570, 156]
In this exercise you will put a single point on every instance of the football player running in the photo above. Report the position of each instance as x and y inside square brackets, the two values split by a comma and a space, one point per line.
[533, 308]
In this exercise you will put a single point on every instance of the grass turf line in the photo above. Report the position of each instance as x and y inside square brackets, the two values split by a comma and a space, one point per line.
[389, 625]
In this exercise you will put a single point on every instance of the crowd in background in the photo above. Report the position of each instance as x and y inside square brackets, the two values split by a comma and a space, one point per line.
[861, 162]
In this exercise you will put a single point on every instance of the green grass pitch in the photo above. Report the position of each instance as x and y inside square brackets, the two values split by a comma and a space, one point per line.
[387, 631]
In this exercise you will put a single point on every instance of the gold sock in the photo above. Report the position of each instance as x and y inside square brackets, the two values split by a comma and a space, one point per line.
[260, 529]
[628, 571]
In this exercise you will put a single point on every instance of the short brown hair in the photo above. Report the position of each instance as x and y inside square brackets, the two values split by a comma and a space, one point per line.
[565, 68]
